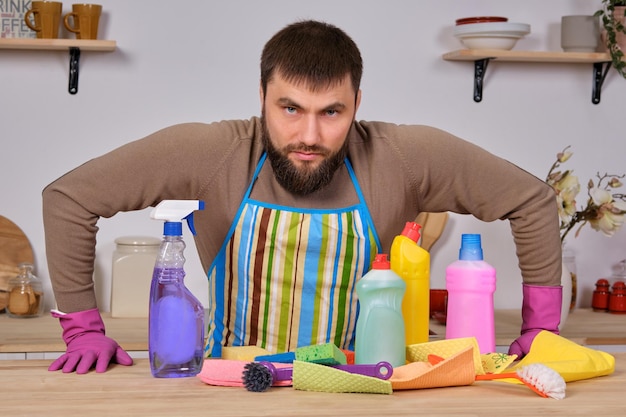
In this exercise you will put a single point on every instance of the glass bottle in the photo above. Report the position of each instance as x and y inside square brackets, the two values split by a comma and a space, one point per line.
[569, 260]
[25, 294]
[619, 272]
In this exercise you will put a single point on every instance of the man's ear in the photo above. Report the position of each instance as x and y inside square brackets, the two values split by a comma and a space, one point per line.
[261, 95]
[357, 102]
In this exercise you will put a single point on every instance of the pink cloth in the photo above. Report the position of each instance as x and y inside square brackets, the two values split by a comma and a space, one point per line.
[228, 372]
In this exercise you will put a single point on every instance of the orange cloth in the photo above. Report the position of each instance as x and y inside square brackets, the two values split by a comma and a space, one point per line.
[455, 370]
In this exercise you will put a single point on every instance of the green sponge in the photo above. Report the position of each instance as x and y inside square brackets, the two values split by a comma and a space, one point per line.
[325, 354]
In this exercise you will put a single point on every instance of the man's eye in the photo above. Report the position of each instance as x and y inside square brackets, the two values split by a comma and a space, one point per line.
[290, 110]
[331, 112]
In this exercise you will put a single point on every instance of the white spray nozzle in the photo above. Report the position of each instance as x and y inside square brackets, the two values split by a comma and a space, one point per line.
[175, 211]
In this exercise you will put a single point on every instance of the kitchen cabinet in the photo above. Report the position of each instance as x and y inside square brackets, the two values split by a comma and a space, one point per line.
[601, 63]
[74, 46]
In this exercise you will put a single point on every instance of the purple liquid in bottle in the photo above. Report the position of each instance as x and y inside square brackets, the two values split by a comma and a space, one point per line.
[176, 323]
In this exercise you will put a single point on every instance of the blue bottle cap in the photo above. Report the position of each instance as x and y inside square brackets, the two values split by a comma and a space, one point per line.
[173, 229]
[471, 250]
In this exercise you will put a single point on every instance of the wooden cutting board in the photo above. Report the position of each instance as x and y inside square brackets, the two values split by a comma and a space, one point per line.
[14, 249]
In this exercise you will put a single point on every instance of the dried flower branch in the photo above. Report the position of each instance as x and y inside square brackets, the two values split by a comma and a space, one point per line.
[604, 210]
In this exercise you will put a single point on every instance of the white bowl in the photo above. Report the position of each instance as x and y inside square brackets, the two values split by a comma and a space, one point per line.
[491, 27]
[491, 35]
[489, 42]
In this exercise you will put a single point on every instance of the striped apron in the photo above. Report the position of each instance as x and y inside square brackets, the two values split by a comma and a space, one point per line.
[286, 277]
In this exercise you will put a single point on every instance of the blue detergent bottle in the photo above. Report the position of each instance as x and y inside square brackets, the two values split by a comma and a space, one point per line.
[380, 327]
[176, 318]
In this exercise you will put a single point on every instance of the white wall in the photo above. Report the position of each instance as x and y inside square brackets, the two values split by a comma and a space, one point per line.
[198, 61]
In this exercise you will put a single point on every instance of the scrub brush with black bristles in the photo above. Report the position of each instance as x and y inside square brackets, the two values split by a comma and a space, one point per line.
[260, 376]
[543, 380]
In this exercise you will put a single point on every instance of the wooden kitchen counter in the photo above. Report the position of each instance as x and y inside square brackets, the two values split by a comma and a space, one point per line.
[43, 334]
[29, 389]
[583, 326]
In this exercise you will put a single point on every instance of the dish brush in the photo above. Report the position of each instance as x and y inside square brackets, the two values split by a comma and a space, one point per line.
[259, 376]
[541, 379]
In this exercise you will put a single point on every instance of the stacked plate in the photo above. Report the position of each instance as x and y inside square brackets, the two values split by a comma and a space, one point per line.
[489, 32]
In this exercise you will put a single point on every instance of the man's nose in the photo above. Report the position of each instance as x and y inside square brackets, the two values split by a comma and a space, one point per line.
[310, 134]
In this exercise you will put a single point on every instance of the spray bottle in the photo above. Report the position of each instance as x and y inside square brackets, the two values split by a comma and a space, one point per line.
[380, 327]
[471, 283]
[176, 320]
[412, 263]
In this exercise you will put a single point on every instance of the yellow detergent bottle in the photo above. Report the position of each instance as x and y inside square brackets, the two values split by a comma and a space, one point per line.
[412, 263]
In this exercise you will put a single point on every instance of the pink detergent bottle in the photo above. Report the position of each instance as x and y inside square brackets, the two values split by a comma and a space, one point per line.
[471, 283]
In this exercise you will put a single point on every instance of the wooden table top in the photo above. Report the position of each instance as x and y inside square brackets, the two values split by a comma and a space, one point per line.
[29, 389]
[43, 334]
[583, 326]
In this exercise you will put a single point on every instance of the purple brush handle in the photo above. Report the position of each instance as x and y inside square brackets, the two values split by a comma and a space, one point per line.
[382, 370]
[278, 374]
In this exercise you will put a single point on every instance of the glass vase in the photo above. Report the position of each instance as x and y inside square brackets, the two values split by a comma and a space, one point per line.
[569, 263]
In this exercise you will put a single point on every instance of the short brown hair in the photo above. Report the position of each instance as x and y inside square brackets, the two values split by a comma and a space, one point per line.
[315, 53]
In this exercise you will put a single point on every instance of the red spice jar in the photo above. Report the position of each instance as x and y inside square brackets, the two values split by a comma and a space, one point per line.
[617, 300]
[600, 300]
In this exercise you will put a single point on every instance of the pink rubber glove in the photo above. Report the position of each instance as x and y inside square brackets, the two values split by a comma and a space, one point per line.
[541, 310]
[83, 333]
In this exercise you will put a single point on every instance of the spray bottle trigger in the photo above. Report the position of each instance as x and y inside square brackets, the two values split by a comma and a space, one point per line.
[189, 219]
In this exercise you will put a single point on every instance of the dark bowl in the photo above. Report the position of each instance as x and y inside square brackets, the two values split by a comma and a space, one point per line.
[481, 19]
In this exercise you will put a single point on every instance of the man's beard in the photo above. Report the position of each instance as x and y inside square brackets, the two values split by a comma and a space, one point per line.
[306, 179]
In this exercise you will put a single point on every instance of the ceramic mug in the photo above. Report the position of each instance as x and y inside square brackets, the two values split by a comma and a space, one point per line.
[85, 19]
[580, 33]
[46, 16]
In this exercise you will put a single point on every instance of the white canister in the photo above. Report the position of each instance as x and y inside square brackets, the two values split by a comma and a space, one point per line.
[580, 33]
[133, 264]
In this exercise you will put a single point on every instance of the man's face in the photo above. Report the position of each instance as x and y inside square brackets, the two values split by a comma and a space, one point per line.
[305, 131]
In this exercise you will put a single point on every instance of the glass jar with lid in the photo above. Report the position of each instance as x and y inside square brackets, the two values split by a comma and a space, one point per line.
[25, 294]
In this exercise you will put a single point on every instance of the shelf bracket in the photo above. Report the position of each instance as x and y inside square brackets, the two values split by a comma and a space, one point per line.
[599, 74]
[74, 59]
[480, 68]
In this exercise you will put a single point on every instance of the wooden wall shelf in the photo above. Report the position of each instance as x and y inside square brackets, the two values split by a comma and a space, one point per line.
[57, 44]
[74, 46]
[601, 63]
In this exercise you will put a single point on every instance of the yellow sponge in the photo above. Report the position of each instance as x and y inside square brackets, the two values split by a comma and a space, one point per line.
[243, 353]
[325, 354]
